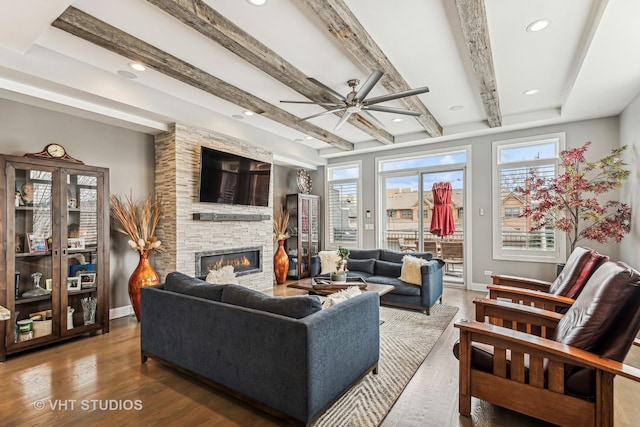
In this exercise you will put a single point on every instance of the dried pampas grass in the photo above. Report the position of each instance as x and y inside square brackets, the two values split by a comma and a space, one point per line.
[138, 220]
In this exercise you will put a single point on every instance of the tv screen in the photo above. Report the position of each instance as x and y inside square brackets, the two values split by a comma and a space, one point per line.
[232, 179]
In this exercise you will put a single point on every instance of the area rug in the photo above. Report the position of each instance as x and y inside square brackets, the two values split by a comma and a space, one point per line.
[406, 338]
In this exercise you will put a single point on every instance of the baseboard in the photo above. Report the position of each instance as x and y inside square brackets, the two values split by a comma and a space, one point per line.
[482, 287]
[117, 312]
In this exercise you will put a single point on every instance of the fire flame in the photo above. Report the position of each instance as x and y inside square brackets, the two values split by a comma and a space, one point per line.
[237, 262]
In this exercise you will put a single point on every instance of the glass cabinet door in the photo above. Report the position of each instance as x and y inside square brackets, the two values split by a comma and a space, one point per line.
[80, 271]
[34, 268]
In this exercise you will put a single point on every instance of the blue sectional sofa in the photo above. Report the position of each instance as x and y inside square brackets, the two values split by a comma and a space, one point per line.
[284, 355]
[385, 266]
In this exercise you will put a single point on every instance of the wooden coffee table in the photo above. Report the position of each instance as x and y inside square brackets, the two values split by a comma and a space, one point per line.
[307, 285]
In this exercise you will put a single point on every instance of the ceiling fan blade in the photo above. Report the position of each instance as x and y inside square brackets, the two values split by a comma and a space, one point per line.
[327, 88]
[370, 118]
[368, 85]
[323, 113]
[324, 104]
[384, 109]
[393, 96]
[343, 120]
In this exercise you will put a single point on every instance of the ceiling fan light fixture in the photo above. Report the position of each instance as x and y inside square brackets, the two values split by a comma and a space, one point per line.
[257, 2]
[538, 25]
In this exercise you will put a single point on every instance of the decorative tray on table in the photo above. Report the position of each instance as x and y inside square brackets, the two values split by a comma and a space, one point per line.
[324, 283]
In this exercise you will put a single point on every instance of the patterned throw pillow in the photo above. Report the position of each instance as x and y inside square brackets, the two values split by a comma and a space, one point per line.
[411, 269]
[222, 276]
[340, 296]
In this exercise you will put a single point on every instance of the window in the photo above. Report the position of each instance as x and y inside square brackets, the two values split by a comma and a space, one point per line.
[513, 238]
[511, 212]
[460, 213]
[342, 219]
[407, 213]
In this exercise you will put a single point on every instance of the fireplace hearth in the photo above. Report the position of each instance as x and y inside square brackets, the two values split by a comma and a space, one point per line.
[246, 260]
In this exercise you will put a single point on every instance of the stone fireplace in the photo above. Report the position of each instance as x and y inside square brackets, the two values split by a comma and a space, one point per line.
[244, 260]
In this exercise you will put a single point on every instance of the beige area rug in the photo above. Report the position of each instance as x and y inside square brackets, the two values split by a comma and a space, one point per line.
[406, 338]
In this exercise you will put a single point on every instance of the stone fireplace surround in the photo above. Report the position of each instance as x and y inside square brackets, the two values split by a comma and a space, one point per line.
[188, 226]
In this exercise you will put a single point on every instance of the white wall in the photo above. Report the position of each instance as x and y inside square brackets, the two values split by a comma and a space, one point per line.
[129, 156]
[630, 136]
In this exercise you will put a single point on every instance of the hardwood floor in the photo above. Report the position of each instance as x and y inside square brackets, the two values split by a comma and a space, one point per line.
[99, 381]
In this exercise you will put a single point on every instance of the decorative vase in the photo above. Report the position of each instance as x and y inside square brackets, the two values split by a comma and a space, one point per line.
[281, 263]
[339, 277]
[143, 275]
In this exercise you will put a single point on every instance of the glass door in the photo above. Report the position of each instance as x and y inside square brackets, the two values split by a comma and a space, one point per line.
[80, 296]
[33, 258]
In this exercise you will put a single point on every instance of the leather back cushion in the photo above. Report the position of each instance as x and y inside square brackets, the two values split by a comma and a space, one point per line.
[295, 306]
[184, 284]
[579, 267]
[599, 306]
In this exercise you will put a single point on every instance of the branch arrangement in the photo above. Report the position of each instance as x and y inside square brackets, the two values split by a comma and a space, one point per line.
[138, 220]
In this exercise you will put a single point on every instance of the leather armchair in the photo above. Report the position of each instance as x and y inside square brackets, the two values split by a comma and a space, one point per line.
[555, 367]
[557, 295]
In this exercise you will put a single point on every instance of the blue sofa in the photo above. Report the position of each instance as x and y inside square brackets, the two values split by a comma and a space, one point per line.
[384, 266]
[284, 355]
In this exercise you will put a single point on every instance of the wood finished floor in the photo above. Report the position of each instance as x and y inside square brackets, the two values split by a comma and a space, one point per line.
[107, 368]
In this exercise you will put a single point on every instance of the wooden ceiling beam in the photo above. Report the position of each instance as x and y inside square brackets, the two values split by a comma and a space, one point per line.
[208, 22]
[91, 29]
[345, 27]
[473, 21]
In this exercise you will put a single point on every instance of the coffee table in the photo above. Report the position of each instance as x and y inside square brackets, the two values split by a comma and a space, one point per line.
[307, 285]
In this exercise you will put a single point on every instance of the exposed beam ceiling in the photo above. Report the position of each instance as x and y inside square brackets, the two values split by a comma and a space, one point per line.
[82, 25]
[213, 25]
[345, 27]
[473, 20]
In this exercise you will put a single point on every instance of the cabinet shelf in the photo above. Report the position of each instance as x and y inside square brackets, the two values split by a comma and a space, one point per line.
[32, 299]
[32, 254]
[83, 291]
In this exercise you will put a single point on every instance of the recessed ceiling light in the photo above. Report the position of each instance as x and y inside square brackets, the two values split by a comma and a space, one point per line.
[456, 107]
[248, 113]
[538, 25]
[531, 92]
[396, 120]
[238, 117]
[127, 74]
[298, 139]
[257, 2]
[137, 66]
[308, 137]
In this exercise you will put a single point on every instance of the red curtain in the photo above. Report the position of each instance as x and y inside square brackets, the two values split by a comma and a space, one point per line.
[442, 221]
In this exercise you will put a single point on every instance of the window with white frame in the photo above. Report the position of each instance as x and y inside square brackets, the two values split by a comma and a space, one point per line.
[342, 219]
[513, 162]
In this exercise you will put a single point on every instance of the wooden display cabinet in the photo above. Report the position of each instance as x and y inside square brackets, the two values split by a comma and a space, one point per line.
[304, 230]
[55, 232]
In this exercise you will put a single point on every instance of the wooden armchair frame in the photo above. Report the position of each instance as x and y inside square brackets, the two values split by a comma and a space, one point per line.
[529, 388]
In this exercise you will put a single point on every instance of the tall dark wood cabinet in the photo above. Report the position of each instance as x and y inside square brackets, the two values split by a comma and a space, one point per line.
[55, 240]
[304, 226]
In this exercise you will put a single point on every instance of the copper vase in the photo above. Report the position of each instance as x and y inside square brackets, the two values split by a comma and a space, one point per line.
[281, 263]
[143, 275]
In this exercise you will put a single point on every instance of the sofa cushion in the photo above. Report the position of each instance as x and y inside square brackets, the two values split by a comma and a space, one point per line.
[363, 265]
[361, 274]
[411, 269]
[364, 253]
[387, 268]
[401, 288]
[184, 284]
[328, 260]
[295, 306]
[223, 276]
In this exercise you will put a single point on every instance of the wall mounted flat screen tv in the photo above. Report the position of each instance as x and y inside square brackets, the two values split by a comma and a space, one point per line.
[232, 179]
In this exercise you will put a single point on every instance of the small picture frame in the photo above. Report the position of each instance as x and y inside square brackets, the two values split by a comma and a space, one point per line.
[37, 243]
[73, 283]
[75, 242]
[87, 279]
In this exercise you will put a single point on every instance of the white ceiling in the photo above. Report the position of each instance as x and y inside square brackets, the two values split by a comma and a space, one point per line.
[585, 65]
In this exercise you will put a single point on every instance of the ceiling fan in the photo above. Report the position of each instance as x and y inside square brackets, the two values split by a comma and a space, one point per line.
[356, 102]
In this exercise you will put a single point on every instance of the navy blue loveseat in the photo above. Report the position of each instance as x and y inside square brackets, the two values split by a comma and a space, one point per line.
[284, 355]
[384, 266]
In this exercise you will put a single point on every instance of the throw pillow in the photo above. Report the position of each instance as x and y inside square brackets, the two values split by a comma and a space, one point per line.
[341, 296]
[222, 276]
[328, 260]
[411, 270]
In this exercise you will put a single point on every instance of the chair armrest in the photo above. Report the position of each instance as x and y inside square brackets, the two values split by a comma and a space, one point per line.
[521, 282]
[520, 317]
[530, 297]
[545, 348]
